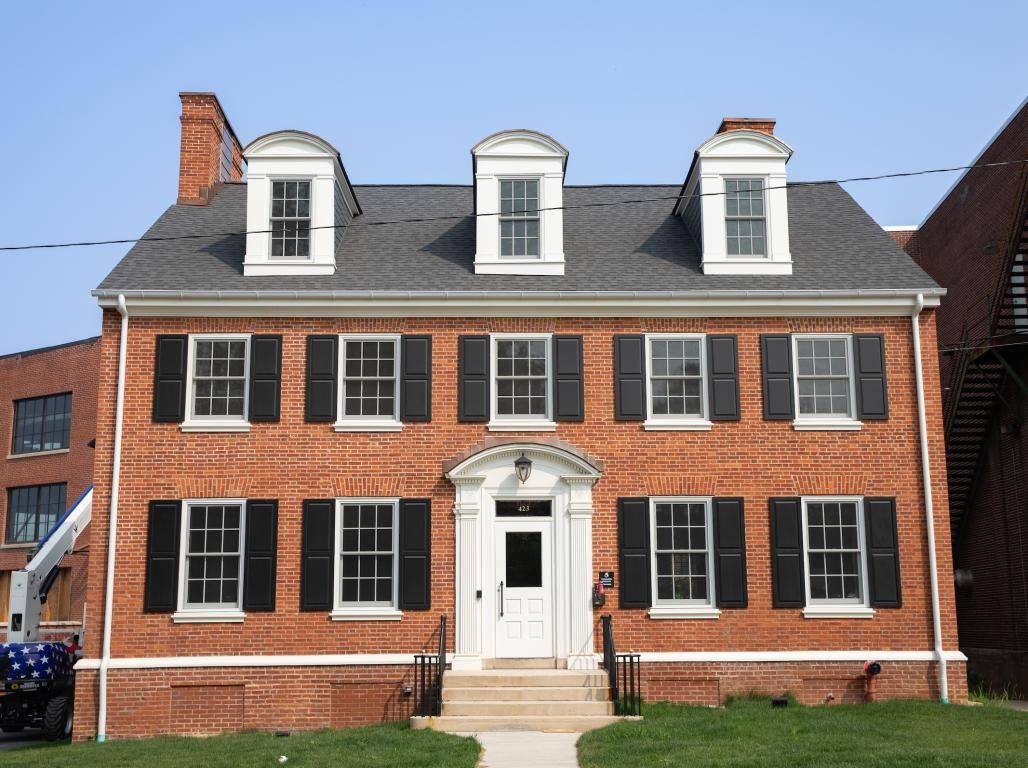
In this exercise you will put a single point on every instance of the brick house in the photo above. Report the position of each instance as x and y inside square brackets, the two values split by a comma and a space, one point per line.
[975, 242]
[48, 417]
[308, 437]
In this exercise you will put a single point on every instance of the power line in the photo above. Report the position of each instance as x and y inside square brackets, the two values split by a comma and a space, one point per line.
[971, 346]
[450, 217]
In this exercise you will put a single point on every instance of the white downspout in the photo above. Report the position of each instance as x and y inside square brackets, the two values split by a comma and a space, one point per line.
[926, 480]
[112, 524]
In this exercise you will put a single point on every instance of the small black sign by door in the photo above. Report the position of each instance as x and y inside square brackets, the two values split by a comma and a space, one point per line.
[524, 508]
[607, 579]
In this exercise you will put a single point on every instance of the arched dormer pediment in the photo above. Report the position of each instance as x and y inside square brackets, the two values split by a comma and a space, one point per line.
[520, 142]
[290, 143]
[744, 143]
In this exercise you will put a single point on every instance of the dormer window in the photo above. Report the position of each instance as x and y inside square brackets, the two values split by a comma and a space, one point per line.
[744, 220]
[519, 218]
[290, 219]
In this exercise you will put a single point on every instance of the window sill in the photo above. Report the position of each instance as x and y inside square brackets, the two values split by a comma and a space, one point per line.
[368, 426]
[18, 545]
[675, 425]
[32, 454]
[838, 612]
[827, 425]
[366, 614]
[208, 617]
[215, 426]
[521, 425]
[684, 612]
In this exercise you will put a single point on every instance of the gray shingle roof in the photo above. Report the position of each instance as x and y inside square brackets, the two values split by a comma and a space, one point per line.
[835, 244]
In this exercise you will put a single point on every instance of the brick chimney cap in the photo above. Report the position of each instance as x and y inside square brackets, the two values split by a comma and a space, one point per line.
[217, 102]
[763, 124]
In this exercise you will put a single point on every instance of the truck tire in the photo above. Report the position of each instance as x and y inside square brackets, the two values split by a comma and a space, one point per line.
[57, 719]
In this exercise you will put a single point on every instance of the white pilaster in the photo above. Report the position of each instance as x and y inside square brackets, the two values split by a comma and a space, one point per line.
[580, 541]
[468, 511]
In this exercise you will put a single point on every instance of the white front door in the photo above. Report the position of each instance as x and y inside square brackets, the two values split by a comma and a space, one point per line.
[524, 587]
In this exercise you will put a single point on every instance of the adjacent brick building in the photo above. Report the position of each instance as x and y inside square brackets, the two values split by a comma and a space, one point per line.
[325, 427]
[48, 418]
[975, 243]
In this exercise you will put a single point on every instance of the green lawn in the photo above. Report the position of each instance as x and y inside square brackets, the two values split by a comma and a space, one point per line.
[392, 744]
[748, 732]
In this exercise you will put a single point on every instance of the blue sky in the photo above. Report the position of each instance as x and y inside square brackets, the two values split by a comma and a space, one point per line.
[90, 106]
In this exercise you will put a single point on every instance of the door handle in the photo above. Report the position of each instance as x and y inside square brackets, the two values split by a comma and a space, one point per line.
[501, 599]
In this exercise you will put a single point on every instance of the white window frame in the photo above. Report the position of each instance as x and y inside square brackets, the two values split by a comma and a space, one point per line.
[349, 612]
[680, 422]
[763, 179]
[194, 423]
[683, 609]
[500, 218]
[813, 421]
[828, 608]
[368, 423]
[191, 614]
[520, 423]
[268, 217]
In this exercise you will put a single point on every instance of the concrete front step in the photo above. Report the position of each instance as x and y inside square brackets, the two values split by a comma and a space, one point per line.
[478, 723]
[526, 663]
[531, 693]
[529, 678]
[518, 709]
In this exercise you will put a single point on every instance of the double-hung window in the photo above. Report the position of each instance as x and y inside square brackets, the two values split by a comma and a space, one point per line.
[521, 374]
[32, 511]
[745, 222]
[676, 381]
[683, 578]
[519, 218]
[42, 424]
[366, 557]
[370, 373]
[219, 368]
[824, 377]
[835, 551]
[291, 219]
[212, 563]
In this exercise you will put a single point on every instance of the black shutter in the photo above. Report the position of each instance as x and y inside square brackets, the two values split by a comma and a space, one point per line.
[416, 378]
[318, 543]
[730, 553]
[872, 396]
[473, 373]
[261, 555]
[169, 385]
[776, 359]
[568, 379]
[415, 554]
[630, 377]
[634, 552]
[322, 370]
[162, 545]
[787, 571]
[723, 370]
[265, 377]
[883, 574]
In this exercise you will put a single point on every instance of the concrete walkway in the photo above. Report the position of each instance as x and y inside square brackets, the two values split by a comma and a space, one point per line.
[527, 749]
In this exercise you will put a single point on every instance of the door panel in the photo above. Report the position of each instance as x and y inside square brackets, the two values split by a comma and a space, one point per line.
[525, 591]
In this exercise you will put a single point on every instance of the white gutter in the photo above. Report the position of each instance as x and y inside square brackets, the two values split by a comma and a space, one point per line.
[112, 524]
[926, 480]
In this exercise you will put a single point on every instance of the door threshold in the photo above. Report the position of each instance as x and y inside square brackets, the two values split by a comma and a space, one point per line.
[528, 663]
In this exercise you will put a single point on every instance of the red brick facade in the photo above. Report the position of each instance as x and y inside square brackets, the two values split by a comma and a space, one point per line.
[67, 368]
[292, 460]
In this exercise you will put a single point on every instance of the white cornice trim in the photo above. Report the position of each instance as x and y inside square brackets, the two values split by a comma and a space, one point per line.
[146, 303]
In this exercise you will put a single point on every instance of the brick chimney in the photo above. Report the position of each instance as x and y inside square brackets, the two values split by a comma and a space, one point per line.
[210, 152]
[762, 124]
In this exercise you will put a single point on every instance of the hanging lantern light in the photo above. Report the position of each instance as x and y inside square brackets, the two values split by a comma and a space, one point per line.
[523, 467]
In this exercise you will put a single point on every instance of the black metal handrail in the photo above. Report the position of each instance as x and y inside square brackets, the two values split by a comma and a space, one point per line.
[428, 677]
[624, 673]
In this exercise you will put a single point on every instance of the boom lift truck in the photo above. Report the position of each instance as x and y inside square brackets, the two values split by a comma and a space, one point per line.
[37, 676]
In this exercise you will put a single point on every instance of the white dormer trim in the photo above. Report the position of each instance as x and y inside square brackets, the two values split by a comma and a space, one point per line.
[741, 154]
[295, 156]
[519, 154]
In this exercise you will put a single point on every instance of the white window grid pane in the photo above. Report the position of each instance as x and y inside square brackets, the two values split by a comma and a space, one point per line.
[823, 376]
[290, 219]
[833, 552]
[522, 378]
[366, 554]
[681, 551]
[219, 378]
[676, 377]
[519, 218]
[369, 378]
[213, 548]
[745, 217]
